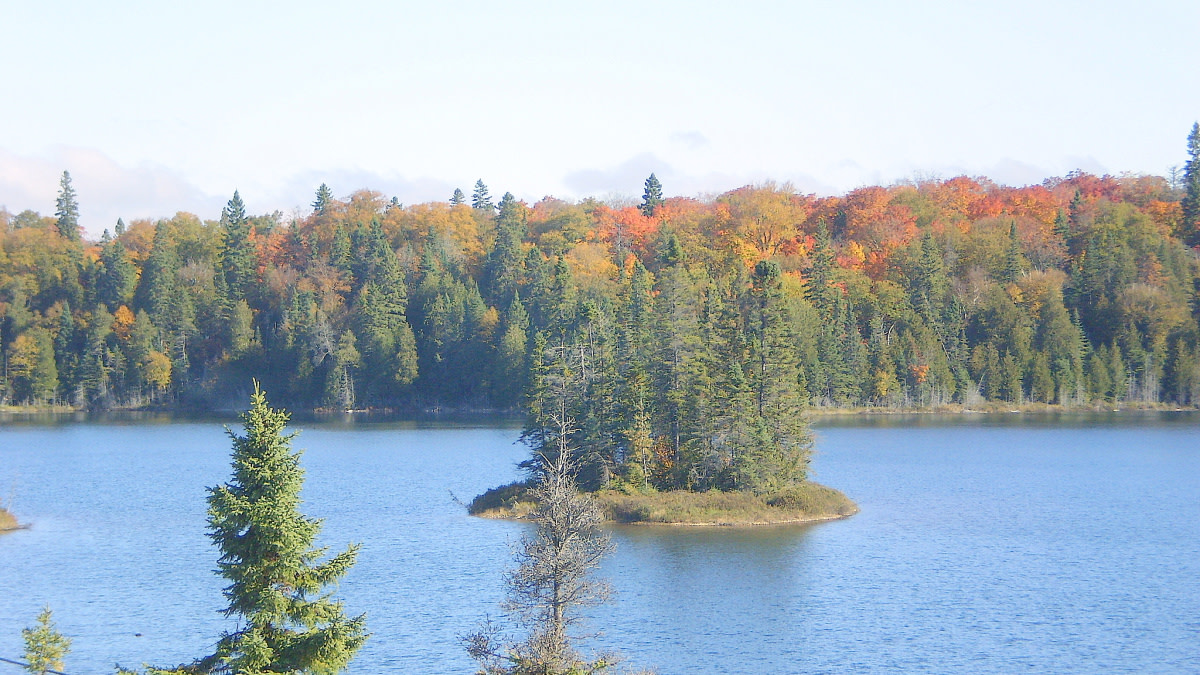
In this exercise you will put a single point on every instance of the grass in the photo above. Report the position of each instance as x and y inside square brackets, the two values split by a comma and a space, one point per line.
[806, 502]
[8, 521]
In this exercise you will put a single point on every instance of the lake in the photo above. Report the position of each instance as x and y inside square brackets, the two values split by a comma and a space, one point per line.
[985, 544]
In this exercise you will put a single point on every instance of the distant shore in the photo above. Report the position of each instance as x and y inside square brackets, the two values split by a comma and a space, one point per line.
[805, 503]
[984, 407]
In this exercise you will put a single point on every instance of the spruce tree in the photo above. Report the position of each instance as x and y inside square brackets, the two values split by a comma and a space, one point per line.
[67, 209]
[1189, 225]
[480, 199]
[45, 647]
[458, 198]
[653, 197]
[288, 622]
[237, 258]
[324, 198]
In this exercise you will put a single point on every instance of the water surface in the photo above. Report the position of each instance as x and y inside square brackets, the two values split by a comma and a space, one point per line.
[986, 544]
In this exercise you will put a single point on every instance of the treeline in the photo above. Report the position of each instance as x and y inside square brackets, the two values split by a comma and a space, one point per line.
[678, 311]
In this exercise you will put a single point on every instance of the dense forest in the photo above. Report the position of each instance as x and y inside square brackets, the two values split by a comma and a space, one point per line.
[681, 320]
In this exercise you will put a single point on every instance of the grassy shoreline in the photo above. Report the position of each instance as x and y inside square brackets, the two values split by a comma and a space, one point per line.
[805, 503]
[8, 522]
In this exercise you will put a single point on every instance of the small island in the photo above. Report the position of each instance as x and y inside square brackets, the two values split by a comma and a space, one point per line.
[807, 502]
[8, 521]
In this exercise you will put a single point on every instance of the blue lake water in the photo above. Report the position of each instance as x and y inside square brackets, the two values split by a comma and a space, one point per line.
[985, 544]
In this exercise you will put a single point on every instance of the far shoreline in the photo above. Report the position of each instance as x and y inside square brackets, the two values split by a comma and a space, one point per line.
[471, 412]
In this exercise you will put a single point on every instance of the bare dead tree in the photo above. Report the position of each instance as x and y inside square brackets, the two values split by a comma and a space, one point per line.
[553, 577]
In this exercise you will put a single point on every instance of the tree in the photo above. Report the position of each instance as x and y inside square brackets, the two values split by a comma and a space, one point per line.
[288, 621]
[653, 197]
[553, 577]
[67, 209]
[45, 647]
[458, 198]
[480, 199]
[237, 258]
[118, 277]
[324, 199]
[1189, 225]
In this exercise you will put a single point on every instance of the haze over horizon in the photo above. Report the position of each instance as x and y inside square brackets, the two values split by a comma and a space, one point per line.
[156, 108]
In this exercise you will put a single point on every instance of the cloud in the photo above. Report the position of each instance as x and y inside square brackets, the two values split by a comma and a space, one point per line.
[625, 178]
[692, 140]
[300, 189]
[106, 190]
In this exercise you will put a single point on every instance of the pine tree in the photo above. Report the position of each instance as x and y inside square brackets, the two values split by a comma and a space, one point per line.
[653, 197]
[458, 198]
[1189, 224]
[288, 622]
[480, 199]
[45, 647]
[67, 209]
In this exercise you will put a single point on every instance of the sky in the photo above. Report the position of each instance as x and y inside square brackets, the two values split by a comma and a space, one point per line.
[157, 107]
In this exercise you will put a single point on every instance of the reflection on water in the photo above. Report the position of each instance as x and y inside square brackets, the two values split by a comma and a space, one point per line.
[989, 543]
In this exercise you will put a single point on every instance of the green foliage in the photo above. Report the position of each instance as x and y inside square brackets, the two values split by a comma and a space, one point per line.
[323, 200]
[908, 296]
[45, 647]
[67, 209]
[480, 199]
[288, 623]
[1189, 223]
[653, 196]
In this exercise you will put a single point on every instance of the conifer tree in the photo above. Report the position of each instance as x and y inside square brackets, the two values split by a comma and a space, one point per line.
[67, 209]
[117, 278]
[45, 647]
[1189, 224]
[324, 198]
[480, 199]
[237, 258]
[503, 265]
[653, 197]
[288, 623]
[458, 198]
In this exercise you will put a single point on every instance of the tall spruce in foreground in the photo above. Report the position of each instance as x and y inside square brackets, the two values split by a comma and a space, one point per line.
[45, 647]
[278, 590]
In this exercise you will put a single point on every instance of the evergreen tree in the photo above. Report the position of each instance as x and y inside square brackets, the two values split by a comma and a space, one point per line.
[501, 271]
[480, 199]
[1014, 260]
[287, 621]
[1189, 224]
[458, 198]
[653, 197]
[323, 200]
[118, 276]
[67, 209]
[780, 441]
[237, 257]
[45, 647]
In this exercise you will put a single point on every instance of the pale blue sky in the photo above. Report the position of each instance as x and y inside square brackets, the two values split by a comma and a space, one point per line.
[162, 106]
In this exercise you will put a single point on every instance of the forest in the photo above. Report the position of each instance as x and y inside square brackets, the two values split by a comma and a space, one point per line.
[690, 329]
